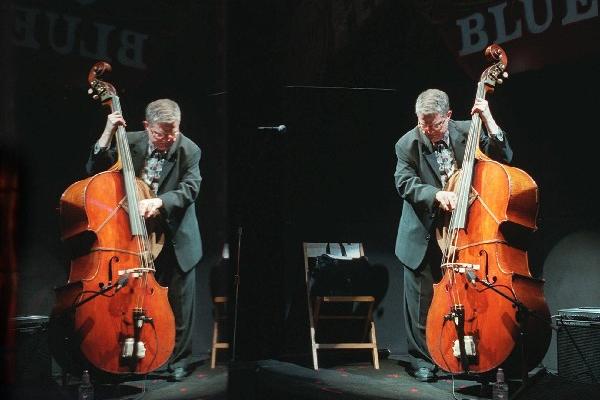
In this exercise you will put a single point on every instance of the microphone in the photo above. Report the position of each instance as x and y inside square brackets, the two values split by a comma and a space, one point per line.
[121, 282]
[471, 277]
[279, 128]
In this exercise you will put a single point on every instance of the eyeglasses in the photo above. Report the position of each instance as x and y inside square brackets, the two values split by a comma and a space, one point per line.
[162, 134]
[435, 125]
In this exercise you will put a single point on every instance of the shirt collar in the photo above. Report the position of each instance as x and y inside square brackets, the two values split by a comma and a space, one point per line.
[151, 148]
[446, 138]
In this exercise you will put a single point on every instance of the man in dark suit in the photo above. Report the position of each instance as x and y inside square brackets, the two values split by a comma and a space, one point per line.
[168, 162]
[427, 156]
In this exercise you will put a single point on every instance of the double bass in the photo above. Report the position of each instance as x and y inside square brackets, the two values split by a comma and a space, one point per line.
[112, 314]
[488, 310]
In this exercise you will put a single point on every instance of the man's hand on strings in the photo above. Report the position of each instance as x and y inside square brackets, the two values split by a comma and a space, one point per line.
[447, 200]
[482, 108]
[113, 120]
[149, 207]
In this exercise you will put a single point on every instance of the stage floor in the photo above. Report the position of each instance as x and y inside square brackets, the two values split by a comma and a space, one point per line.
[272, 379]
[203, 383]
[276, 379]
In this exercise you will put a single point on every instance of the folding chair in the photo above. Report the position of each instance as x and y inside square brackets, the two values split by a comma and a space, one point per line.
[219, 319]
[319, 306]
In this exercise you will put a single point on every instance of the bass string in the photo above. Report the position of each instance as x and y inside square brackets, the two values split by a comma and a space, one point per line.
[138, 225]
[459, 214]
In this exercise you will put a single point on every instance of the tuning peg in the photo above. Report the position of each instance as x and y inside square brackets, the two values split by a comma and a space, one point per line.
[95, 97]
[499, 81]
[505, 75]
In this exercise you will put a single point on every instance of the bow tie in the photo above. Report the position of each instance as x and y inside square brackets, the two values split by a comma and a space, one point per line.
[158, 154]
[440, 145]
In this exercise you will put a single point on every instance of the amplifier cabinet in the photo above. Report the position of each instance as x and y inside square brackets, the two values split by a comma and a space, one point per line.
[578, 344]
[33, 360]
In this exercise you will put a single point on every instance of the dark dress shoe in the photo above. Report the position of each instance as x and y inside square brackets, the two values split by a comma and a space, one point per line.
[424, 375]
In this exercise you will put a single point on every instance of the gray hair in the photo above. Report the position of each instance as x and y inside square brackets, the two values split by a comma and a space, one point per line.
[163, 110]
[432, 101]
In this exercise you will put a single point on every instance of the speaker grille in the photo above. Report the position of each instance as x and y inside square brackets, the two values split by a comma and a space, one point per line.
[578, 350]
[34, 363]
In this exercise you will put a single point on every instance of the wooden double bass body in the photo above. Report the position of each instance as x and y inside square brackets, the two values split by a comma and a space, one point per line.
[470, 326]
[112, 314]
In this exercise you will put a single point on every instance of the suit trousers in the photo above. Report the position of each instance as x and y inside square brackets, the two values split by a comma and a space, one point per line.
[182, 298]
[418, 293]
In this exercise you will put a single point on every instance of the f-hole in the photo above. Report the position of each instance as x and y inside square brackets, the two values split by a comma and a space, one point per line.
[110, 268]
[485, 264]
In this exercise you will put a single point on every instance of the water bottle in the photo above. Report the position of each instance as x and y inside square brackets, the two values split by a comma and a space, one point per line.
[86, 390]
[500, 389]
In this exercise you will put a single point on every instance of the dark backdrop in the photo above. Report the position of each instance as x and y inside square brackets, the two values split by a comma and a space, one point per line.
[343, 76]
[166, 50]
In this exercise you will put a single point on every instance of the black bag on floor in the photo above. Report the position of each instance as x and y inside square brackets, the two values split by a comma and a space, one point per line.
[332, 276]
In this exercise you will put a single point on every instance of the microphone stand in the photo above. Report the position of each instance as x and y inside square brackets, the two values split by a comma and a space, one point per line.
[522, 317]
[236, 286]
[60, 318]
[250, 178]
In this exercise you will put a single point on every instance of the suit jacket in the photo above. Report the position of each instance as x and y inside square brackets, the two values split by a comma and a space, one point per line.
[178, 188]
[417, 179]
